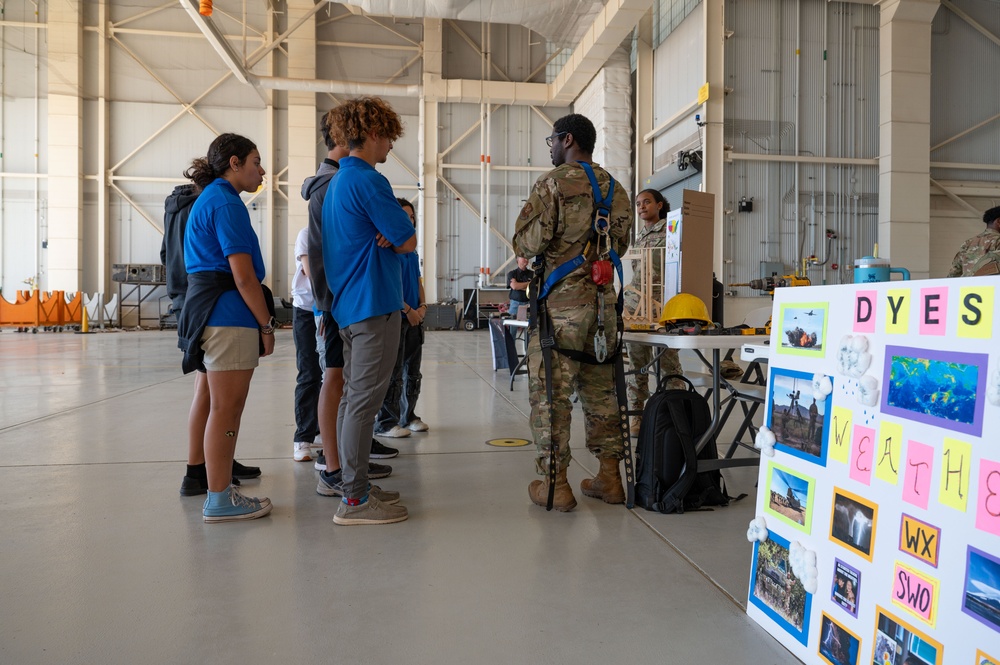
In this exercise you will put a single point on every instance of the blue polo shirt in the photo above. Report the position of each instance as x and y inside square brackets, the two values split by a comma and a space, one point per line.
[365, 280]
[219, 226]
[411, 279]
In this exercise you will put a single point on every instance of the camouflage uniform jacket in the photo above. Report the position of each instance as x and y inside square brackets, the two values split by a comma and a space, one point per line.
[654, 236]
[973, 250]
[556, 222]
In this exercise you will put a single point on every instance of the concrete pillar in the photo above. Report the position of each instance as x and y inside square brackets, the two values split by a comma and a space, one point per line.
[904, 133]
[713, 156]
[64, 256]
[100, 279]
[643, 103]
[303, 126]
[428, 202]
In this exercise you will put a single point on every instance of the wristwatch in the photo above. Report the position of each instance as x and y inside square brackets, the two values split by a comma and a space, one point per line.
[268, 328]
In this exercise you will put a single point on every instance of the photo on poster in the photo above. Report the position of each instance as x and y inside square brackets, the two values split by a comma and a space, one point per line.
[853, 522]
[775, 589]
[797, 419]
[790, 497]
[942, 388]
[803, 329]
[846, 587]
[983, 659]
[897, 643]
[981, 600]
[837, 645]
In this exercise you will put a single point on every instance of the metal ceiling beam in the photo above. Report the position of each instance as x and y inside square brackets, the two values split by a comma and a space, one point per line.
[612, 25]
[218, 41]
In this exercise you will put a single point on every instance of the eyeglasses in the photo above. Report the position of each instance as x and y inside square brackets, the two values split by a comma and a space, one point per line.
[549, 140]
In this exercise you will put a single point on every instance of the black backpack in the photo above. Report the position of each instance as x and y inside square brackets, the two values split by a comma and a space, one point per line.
[667, 478]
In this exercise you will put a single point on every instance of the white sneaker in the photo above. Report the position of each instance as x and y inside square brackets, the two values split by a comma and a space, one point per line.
[396, 432]
[303, 451]
[317, 445]
[417, 425]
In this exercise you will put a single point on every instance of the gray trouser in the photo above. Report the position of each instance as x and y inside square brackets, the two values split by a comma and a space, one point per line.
[370, 349]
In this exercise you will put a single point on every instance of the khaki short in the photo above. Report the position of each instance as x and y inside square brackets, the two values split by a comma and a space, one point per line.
[229, 348]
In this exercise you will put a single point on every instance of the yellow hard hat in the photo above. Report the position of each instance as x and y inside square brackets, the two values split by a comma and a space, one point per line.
[685, 307]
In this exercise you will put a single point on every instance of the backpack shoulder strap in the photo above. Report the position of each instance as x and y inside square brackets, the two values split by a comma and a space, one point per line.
[673, 498]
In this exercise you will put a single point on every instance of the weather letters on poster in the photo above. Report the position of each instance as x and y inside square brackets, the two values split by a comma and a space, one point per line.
[880, 464]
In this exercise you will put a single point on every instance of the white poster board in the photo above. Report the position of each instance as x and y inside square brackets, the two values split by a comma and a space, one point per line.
[877, 530]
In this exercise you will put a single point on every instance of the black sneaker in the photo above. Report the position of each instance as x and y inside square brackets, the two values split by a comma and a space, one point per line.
[376, 471]
[381, 451]
[195, 486]
[245, 472]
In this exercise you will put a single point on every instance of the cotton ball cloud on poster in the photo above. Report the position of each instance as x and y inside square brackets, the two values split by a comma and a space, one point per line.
[757, 531]
[803, 563]
[868, 391]
[764, 441]
[853, 358]
[822, 386]
[993, 387]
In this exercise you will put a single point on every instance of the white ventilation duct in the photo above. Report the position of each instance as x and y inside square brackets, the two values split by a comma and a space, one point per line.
[607, 101]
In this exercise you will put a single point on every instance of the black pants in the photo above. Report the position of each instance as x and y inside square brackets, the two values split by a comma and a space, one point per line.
[310, 377]
[404, 386]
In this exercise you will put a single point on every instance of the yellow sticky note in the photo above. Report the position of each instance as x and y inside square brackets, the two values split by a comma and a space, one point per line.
[975, 312]
[956, 460]
[839, 445]
[897, 311]
[890, 448]
[703, 94]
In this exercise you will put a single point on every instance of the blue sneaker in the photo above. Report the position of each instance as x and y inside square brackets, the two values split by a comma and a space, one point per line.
[231, 506]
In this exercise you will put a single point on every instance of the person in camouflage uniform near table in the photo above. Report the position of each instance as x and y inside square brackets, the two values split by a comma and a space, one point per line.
[980, 255]
[556, 222]
[652, 209]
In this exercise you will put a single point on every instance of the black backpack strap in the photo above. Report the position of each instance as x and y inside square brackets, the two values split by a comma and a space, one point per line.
[623, 427]
[673, 498]
[541, 323]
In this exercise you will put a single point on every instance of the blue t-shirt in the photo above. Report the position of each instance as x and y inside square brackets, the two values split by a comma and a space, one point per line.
[411, 279]
[365, 280]
[219, 226]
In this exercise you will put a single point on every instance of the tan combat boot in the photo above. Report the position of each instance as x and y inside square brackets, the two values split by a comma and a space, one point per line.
[563, 499]
[607, 484]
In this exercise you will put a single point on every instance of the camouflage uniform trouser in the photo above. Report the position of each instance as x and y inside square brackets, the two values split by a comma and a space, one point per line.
[641, 355]
[594, 384]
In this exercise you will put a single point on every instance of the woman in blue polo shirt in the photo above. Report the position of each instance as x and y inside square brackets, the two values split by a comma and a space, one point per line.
[225, 325]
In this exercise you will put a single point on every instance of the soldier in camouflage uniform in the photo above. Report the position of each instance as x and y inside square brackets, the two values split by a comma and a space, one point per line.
[556, 222]
[652, 209]
[980, 255]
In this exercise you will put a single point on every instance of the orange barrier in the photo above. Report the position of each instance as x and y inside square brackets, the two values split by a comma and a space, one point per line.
[35, 309]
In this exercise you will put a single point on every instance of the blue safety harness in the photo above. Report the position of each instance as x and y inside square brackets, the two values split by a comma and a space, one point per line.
[600, 224]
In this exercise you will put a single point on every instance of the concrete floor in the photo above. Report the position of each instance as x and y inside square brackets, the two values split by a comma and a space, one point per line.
[103, 562]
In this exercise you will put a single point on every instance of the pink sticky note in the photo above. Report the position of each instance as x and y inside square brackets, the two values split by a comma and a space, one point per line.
[864, 311]
[915, 592]
[988, 497]
[933, 310]
[863, 454]
[917, 476]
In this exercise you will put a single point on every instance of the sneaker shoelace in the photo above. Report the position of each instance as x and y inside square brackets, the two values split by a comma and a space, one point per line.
[241, 501]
